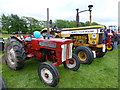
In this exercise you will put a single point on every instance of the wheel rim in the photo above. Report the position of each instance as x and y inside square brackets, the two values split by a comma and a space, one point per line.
[71, 63]
[46, 75]
[82, 55]
[11, 56]
[109, 47]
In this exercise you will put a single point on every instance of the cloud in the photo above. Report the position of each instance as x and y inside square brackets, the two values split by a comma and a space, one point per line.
[103, 11]
[119, 14]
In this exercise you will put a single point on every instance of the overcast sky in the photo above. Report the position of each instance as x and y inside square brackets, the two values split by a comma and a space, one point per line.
[104, 11]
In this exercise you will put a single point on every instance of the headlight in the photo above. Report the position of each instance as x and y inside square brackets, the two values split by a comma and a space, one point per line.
[94, 35]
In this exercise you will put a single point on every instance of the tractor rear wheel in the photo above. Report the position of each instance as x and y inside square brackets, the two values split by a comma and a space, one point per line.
[14, 53]
[100, 53]
[73, 63]
[109, 47]
[48, 74]
[85, 54]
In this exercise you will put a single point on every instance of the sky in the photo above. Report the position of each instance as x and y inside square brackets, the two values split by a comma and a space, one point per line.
[104, 12]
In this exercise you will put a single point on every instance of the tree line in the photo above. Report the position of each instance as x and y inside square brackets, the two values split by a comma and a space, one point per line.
[16, 24]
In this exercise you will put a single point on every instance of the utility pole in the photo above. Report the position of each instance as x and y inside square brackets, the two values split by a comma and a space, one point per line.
[77, 18]
[48, 26]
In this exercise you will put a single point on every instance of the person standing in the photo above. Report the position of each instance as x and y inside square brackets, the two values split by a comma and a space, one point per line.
[105, 37]
[115, 39]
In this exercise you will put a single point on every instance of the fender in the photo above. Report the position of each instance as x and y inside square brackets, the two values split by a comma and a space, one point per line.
[15, 37]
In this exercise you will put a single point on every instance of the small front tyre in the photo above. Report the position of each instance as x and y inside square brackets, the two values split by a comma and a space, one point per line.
[48, 74]
[109, 47]
[100, 53]
[73, 63]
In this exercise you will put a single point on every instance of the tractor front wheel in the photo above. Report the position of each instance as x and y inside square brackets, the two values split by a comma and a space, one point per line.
[73, 63]
[48, 74]
[85, 54]
[100, 53]
[109, 47]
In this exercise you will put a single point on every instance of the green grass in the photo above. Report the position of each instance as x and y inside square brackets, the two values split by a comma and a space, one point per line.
[6, 35]
[102, 73]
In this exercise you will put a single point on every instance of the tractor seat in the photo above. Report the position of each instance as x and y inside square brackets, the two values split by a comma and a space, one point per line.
[28, 39]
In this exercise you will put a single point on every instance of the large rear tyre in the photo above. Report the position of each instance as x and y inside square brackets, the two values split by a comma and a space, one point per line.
[85, 54]
[73, 63]
[14, 53]
[48, 74]
[100, 53]
[109, 47]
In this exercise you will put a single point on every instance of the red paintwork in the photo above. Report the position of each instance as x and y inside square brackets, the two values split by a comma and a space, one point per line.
[26, 36]
[110, 34]
[33, 49]
[109, 39]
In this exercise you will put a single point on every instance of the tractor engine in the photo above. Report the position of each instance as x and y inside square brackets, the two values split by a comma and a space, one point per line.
[80, 39]
[55, 49]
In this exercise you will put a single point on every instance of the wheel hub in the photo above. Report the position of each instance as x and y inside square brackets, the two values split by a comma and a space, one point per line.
[46, 75]
[109, 47]
[71, 61]
[12, 56]
[82, 55]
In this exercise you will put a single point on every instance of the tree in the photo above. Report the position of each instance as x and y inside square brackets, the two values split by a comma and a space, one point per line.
[61, 23]
[5, 23]
[13, 23]
[33, 24]
[95, 23]
[69, 24]
[18, 24]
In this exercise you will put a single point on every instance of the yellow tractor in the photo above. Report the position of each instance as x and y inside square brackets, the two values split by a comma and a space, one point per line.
[87, 41]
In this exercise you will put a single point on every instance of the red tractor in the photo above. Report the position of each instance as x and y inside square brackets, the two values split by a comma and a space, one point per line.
[110, 40]
[58, 51]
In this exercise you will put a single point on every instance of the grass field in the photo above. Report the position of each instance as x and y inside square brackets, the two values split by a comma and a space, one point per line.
[102, 73]
[6, 35]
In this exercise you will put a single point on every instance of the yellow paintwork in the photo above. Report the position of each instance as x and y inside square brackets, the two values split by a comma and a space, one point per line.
[100, 45]
[79, 38]
[86, 27]
[65, 35]
[93, 40]
[109, 47]
[82, 56]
